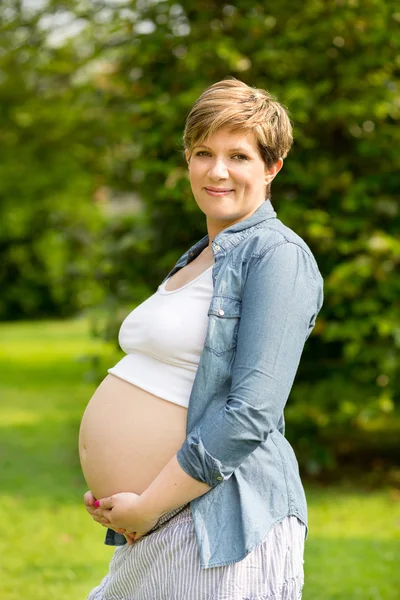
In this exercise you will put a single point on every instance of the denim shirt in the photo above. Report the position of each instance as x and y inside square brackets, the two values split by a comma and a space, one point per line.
[267, 294]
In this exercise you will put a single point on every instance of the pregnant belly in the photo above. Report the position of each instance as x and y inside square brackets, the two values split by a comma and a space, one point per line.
[127, 436]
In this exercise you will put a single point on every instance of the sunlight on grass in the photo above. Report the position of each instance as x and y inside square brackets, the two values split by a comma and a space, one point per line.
[50, 548]
[9, 418]
[350, 515]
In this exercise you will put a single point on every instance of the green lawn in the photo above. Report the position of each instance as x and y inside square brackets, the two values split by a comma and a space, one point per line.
[51, 549]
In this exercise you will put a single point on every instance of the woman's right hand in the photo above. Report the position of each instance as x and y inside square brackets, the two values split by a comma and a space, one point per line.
[89, 501]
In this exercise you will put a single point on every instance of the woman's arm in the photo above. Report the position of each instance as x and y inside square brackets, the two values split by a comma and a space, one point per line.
[282, 296]
[172, 488]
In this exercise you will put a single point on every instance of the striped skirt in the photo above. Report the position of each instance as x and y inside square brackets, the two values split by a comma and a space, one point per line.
[164, 565]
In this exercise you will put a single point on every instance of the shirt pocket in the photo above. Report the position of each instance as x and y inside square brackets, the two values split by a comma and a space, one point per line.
[223, 324]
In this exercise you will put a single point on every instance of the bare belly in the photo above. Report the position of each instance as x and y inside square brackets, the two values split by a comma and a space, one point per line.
[127, 436]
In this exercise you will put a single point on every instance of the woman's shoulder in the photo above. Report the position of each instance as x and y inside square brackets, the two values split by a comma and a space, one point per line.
[272, 234]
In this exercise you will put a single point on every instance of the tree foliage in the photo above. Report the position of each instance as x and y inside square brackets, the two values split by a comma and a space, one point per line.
[106, 108]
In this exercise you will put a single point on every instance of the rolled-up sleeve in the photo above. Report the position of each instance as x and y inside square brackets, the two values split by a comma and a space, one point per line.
[282, 295]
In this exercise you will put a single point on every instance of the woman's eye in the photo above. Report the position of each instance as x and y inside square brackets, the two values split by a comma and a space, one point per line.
[236, 156]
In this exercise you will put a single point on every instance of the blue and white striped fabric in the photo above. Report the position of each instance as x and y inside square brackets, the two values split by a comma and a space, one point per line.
[164, 565]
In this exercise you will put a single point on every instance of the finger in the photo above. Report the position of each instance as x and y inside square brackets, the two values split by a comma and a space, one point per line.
[102, 514]
[88, 498]
[101, 519]
[104, 503]
[107, 514]
[121, 531]
[128, 539]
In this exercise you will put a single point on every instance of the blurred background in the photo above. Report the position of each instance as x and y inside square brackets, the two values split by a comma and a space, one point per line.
[96, 207]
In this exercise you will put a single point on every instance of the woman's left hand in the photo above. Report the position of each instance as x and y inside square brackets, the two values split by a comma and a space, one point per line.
[124, 512]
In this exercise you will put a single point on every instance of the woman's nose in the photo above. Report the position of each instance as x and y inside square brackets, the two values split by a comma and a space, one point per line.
[219, 169]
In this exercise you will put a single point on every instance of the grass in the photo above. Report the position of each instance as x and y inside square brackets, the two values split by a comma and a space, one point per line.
[50, 548]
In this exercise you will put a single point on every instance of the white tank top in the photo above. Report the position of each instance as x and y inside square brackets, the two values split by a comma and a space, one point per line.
[163, 339]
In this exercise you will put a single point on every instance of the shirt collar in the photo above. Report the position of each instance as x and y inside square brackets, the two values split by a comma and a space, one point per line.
[264, 211]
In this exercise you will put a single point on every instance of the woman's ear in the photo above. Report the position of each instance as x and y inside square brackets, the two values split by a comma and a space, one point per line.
[187, 155]
[272, 172]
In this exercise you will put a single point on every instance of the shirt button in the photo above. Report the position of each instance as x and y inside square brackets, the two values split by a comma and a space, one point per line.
[221, 312]
[219, 478]
[217, 248]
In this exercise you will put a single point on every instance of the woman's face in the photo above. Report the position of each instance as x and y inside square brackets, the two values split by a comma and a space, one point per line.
[228, 177]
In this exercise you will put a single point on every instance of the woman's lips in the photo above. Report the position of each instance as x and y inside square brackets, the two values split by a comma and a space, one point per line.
[214, 193]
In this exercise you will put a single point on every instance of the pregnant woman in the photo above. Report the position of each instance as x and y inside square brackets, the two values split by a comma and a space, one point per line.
[183, 444]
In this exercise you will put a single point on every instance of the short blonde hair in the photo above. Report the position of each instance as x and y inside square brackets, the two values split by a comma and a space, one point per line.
[234, 104]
